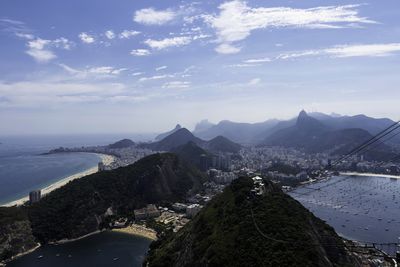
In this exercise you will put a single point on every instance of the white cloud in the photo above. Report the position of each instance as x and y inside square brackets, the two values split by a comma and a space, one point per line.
[227, 49]
[151, 16]
[155, 77]
[343, 51]
[161, 68]
[245, 65]
[140, 52]
[168, 42]
[176, 85]
[258, 60]
[63, 43]
[40, 49]
[127, 34]
[137, 73]
[237, 20]
[109, 34]
[27, 36]
[254, 81]
[106, 70]
[96, 72]
[41, 56]
[86, 38]
[369, 50]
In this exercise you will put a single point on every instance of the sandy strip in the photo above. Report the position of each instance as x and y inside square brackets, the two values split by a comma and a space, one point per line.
[4, 263]
[139, 230]
[370, 174]
[106, 159]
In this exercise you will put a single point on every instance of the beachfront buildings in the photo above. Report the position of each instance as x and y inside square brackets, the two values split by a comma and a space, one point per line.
[34, 196]
[150, 211]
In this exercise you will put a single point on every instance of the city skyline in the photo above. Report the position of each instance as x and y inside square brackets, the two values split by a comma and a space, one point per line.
[102, 67]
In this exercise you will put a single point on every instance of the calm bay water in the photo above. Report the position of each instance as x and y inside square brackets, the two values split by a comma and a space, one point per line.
[359, 208]
[23, 169]
[23, 173]
[103, 249]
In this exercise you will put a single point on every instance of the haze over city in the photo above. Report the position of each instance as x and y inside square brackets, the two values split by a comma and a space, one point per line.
[143, 66]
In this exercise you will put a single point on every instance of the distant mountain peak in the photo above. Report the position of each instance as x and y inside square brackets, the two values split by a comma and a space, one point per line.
[303, 113]
[163, 135]
[203, 125]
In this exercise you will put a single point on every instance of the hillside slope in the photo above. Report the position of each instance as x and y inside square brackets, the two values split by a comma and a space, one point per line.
[82, 206]
[237, 230]
[183, 136]
[313, 136]
[163, 135]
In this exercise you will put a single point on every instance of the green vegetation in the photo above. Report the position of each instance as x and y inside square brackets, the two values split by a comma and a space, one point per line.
[224, 234]
[15, 232]
[87, 204]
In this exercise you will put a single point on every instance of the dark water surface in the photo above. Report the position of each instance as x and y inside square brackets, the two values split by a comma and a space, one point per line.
[103, 249]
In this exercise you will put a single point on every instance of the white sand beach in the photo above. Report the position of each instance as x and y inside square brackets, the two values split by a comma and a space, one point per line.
[106, 159]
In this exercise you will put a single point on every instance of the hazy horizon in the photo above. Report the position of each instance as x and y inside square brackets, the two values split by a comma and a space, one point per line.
[142, 67]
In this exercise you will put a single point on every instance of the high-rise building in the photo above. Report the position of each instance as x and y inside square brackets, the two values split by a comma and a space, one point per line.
[101, 166]
[34, 196]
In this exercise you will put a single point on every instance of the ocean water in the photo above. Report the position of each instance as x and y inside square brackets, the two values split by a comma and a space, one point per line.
[103, 249]
[23, 168]
[365, 209]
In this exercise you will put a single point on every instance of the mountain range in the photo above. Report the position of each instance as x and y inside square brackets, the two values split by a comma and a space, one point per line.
[256, 133]
[314, 132]
[183, 136]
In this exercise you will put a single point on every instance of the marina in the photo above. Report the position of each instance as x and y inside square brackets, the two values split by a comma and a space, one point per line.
[360, 208]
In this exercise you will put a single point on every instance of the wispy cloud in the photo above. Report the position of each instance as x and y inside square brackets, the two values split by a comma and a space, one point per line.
[95, 72]
[161, 68]
[237, 20]
[137, 73]
[168, 42]
[176, 85]
[41, 49]
[150, 16]
[140, 52]
[337, 51]
[127, 34]
[227, 48]
[344, 51]
[109, 34]
[258, 60]
[156, 77]
[86, 38]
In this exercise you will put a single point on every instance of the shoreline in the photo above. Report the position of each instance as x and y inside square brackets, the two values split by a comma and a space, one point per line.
[370, 174]
[106, 159]
[138, 230]
[4, 263]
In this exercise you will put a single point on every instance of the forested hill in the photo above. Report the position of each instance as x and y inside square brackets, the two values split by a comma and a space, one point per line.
[225, 233]
[80, 207]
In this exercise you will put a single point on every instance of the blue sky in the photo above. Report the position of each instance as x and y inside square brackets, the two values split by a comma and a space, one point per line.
[141, 66]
